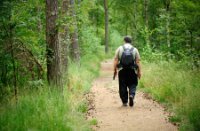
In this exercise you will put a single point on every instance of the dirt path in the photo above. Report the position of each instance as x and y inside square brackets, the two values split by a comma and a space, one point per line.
[146, 115]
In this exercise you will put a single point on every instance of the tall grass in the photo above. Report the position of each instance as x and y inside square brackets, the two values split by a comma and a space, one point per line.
[43, 111]
[46, 108]
[176, 86]
[41, 107]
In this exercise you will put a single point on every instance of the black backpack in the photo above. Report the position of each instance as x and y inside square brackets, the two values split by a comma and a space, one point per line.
[127, 60]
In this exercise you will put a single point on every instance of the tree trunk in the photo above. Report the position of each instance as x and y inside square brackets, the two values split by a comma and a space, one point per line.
[146, 27]
[39, 20]
[13, 62]
[168, 23]
[64, 36]
[74, 34]
[11, 27]
[168, 29]
[106, 25]
[126, 28]
[4, 73]
[145, 12]
[134, 23]
[97, 19]
[52, 50]
[191, 39]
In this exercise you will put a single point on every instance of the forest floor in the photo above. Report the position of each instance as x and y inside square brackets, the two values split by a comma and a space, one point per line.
[106, 107]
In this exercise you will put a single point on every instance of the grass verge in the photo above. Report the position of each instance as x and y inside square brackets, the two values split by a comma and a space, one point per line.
[47, 109]
[176, 87]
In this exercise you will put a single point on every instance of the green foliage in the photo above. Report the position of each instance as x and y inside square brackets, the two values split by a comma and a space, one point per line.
[175, 119]
[149, 55]
[48, 109]
[5, 57]
[39, 107]
[90, 42]
[115, 40]
[43, 110]
[93, 122]
[21, 35]
[176, 86]
[172, 26]
[171, 34]
[83, 107]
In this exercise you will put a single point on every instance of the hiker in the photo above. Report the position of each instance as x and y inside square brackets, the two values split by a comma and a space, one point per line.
[127, 61]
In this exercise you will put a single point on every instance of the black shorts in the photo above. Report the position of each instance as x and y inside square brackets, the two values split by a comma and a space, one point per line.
[128, 77]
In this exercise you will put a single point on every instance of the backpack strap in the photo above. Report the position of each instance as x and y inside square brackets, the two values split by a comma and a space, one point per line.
[134, 55]
[119, 53]
[125, 48]
[132, 48]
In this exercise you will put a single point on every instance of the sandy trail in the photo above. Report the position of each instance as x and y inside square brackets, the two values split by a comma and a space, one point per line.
[146, 115]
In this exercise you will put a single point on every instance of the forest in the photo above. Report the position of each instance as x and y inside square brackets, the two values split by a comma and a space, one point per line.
[50, 52]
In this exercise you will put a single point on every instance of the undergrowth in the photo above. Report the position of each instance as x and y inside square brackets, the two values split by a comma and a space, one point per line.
[45, 108]
[176, 86]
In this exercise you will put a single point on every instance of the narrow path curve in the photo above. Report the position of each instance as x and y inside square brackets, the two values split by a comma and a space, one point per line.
[105, 106]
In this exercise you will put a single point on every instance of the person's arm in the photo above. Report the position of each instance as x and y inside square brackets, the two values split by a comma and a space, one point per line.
[115, 68]
[115, 63]
[139, 72]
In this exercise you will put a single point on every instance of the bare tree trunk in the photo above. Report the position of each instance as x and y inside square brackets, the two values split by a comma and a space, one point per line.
[97, 21]
[4, 72]
[167, 6]
[134, 31]
[146, 22]
[74, 34]
[126, 28]
[11, 44]
[106, 25]
[145, 12]
[191, 39]
[39, 21]
[13, 62]
[53, 53]
[14, 71]
[65, 37]
[168, 30]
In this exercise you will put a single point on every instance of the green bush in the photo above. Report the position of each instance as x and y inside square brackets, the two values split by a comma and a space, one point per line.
[115, 40]
[90, 43]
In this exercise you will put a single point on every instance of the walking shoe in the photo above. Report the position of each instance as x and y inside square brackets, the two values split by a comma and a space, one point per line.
[131, 103]
[124, 104]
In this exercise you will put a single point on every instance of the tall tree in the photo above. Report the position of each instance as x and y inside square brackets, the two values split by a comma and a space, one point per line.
[146, 21]
[106, 25]
[146, 12]
[52, 49]
[134, 23]
[167, 8]
[74, 33]
[7, 54]
[64, 36]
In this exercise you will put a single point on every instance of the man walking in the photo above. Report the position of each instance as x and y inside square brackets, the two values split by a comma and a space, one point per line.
[127, 61]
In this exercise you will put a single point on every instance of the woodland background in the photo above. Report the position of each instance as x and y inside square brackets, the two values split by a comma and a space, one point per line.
[50, 51]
